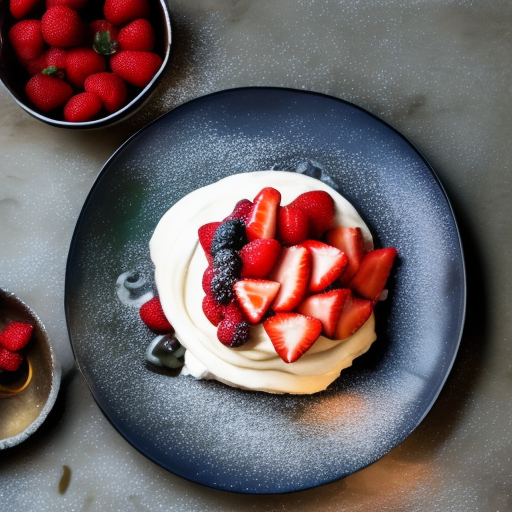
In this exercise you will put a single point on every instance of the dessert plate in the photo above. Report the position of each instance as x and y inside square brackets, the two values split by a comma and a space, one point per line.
[252, 442]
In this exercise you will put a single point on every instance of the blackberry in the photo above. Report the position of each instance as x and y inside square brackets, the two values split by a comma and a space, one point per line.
[228, 260]
[221, 286]
[229, 235]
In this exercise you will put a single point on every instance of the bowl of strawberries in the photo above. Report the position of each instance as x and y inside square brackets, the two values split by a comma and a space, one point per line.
[83, 63]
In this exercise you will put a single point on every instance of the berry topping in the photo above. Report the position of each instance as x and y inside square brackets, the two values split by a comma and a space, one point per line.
[327, 307]
[318, 205]
[212, 310]
[229, 235]
[327, 262]
[221, 286]
[206, 233]
[292, 334]
[10, 361]
[16, 335]
[374, 270]
[233, 329]
[292, 271]
[354, 314]
[228, 260]
[292, 225]
[259, 257]
[351, 242]
[255, 297]
[207, 279]
[262, 220]
[152, 314]
[241, 210]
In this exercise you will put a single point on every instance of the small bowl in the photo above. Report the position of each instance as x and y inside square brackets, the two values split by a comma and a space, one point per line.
[23, 412]
[14, 76]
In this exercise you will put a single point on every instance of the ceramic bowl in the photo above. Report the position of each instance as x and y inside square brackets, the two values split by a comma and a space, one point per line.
[26, 401]
[14, 76]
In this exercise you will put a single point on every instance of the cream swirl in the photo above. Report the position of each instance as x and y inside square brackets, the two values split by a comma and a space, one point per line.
[179, 265]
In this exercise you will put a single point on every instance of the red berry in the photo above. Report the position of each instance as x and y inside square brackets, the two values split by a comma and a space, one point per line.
[259, 257]
[292, 225]
[47, 92]
[213, 311]
[262, 220]
[20, 8]
[103, 36]
[73, 4]
[351, 242]
[255, 297]
[138, 36]
[152, 314]
[241, 211]
[354, 314]
[62, 26]
[120, 12]
[16, 335]
[137, 68]
[205, 234]
[207, 279]
[82, 107]
[109, 87]
[26, 38]
[82, 62]
[233, 330]
[10, 361]
[318, 205]
[56, 57]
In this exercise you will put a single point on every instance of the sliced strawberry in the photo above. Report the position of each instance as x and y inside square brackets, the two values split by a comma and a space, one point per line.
[318, 205]
[241, 210]
[152, 314]
[292, 334]
[354, 314]
[205, 234]
[373, 273]
[292, 225]
[327, 307]
[255, 297]
[259, 257]
[351, 242]
[213, 311]
[292, 271]
[16, 335]
[262, 220]
[327, 263]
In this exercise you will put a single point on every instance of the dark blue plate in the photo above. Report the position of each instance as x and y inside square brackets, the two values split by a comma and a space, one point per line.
[253, 442]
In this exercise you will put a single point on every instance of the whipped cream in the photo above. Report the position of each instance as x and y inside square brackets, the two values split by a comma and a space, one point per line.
[179, 266]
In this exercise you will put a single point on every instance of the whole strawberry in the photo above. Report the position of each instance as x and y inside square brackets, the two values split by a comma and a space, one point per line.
[152, 314]
[16, 335]
[103, 36]
[137, 68]
[82, 107]
[20, 8]
[138, 36]
[47, 92]
[109, 87]
[120, 12]
[73, 4]
[82, 62]
[26, 38]
[62, 26]
[9, 361]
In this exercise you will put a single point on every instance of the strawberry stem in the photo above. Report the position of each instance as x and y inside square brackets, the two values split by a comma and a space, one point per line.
[103, 44]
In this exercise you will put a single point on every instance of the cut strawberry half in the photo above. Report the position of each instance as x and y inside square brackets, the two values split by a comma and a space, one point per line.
[327, 307]
[262, 220]
[374, 270]
[292, 334]
[354, 314]
[351, 242]
[255, 297]
[318, 205]
[327, 263]
[259, 257]
[292, 225]
[292, 271]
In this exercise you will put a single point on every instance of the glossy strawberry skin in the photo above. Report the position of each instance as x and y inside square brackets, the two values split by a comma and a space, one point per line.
[47, 93]
[259, 257]
[152, 314]
[137, 36]
[136, 68]
[62, 27]
[82, 62]
[355, 313]
[82, 107]
[120, 12]
[318, 205]
[109, 87]
[26, 38]
[16, 335]
[10, 361]
[72, 4]
[292, 225]
[20, 8]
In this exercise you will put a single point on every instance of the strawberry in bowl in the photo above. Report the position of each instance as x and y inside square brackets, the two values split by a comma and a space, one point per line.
[103, 58]
[276, 293]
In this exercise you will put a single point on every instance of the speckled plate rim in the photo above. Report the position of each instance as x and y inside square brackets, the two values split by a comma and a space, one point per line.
[460, 301]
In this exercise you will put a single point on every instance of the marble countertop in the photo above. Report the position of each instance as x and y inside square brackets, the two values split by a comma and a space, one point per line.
[437, 71]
